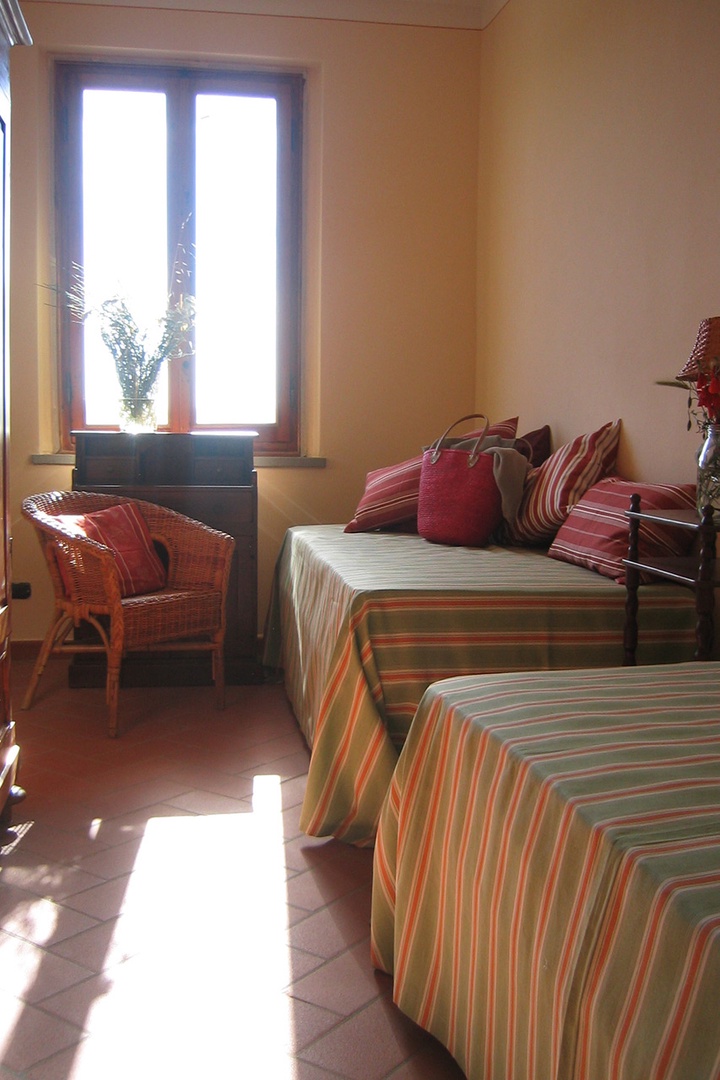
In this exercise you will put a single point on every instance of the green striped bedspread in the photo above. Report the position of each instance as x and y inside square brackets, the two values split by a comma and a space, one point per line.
[546, 886]
[363, 623]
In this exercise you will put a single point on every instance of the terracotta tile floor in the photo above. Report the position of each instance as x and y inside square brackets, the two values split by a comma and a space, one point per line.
[161, 915]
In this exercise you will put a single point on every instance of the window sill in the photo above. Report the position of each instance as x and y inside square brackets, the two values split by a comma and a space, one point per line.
[260, 461]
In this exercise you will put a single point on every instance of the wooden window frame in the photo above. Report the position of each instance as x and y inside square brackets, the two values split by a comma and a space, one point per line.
[182, 83]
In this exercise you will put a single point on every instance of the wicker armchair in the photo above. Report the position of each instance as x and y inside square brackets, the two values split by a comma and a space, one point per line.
[188, 613]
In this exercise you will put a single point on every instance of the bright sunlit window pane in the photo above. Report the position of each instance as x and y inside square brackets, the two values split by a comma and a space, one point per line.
[154, 162]
[125, 230]
[236, 242]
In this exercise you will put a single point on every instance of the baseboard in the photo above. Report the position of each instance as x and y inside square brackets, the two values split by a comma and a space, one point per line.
[24, 650]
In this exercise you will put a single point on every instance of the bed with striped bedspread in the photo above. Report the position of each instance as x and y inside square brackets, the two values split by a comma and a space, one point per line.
[546, 887]
[362, 623]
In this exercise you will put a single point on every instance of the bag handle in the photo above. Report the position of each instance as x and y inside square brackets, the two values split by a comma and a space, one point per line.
[527, 452]
[437, 446]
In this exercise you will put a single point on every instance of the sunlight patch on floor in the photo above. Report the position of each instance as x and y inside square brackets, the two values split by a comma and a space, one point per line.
[226, 964]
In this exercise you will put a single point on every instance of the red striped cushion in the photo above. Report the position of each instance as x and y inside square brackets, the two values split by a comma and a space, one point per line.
[506, 429]
[595, 533]
[122, 528]
[390, 499]
[560, 482]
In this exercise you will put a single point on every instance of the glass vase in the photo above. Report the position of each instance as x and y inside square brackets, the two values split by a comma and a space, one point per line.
[137, 414]
[708, 474]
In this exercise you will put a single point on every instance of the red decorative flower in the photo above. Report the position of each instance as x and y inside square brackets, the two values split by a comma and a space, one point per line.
[708, 396]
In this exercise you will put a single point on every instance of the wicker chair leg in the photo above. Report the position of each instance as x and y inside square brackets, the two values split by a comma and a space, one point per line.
[58, 631]
[112, 693]
[218, 663]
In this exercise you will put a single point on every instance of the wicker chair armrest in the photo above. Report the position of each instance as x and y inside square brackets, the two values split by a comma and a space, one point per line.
[88, 570]
[198, 555]
[198, 558]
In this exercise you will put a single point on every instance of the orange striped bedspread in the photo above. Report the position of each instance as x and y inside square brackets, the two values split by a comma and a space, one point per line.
[363, 623]
[546, 887]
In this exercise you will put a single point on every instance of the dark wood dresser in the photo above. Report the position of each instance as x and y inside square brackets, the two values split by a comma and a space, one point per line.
[209, 477]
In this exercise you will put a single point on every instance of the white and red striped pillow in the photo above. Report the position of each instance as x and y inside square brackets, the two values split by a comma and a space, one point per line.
[123, 529]
[560, 482]
[390, 499]
[595, 534]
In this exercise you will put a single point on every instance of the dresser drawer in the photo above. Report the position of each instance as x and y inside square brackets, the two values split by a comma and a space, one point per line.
[220, 470]
[162, 459]
[108, 470]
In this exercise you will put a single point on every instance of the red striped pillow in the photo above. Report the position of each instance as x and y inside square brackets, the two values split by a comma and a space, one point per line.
[122, 528]
[595, 533]
[559, 483]
[390, 499]
[506, 429]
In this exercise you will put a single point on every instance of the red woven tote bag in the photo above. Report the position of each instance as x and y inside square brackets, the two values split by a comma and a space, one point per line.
[459, 501]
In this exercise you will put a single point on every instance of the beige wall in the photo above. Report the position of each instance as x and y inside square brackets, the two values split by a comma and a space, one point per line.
[599, 237]
[390, 246]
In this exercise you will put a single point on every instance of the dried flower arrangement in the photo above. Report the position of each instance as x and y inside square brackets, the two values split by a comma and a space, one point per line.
[138, 355]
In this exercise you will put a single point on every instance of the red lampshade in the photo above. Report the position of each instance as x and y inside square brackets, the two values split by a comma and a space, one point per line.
[706, 354]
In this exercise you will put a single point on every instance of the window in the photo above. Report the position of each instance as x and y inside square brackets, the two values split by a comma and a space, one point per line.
[183, 180]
